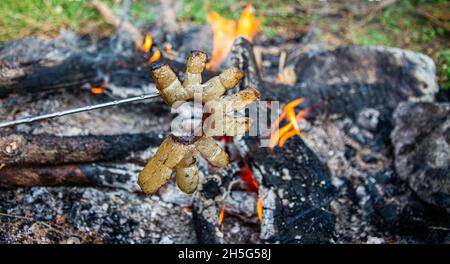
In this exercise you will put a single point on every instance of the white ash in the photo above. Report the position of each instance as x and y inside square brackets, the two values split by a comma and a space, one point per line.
[113, 216]
[268, 228]
[170, 193]
[242, 205]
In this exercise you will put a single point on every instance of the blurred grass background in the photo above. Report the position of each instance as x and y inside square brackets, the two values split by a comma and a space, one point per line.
[418, 25]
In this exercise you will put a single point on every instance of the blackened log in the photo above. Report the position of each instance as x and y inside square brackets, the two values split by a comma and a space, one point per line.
[30, 65]
[115, 175]
[295, 185]
[50, 176]
[73, 72]
[243, 57]
[23, 149]
[297, 193]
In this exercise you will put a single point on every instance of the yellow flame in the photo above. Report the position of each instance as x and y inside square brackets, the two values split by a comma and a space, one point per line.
[148, 42]
[248, 25]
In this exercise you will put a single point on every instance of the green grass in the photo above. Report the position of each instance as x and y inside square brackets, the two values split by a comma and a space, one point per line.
[444, 69]
[19, 18]
[398, 25]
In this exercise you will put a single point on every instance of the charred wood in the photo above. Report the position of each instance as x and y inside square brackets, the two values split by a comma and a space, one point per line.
[105, 175]
[49, 64]
[297, 193]
[206, 210]
[75, 71]
[22, 149]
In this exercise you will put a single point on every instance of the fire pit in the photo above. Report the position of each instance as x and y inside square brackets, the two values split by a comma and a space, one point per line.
[346, 144]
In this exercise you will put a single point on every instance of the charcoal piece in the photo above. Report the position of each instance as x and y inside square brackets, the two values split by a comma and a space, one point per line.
[243, 57]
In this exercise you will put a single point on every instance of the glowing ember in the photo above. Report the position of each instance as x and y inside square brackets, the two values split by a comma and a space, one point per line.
[98, 89]
[148, 42]
[226, 30]
[221, 214]
[253, 186]
[247, 176]
[289, 130]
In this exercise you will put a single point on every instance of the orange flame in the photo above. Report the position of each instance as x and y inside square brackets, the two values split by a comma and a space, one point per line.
[221, 214]
[147, 46]
[259, 208]
[248, 25]
[148, 43]
[155, 56]
[289, 130]
[226, 30]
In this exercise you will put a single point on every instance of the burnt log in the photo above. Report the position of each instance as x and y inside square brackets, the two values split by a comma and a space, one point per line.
[54, 67]
[297, 193]
[243, 57]
[34, 65]
[115, 175]
[295, 186]
[421, 140]
[21, 149]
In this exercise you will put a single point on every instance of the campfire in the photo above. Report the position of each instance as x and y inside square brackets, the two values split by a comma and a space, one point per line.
[162, 134]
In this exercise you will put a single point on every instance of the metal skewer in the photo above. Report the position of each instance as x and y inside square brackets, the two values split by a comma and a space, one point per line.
[76, 110]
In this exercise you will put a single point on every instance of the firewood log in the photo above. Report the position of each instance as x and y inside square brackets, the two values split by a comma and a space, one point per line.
[116, 175]
[22, 149]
